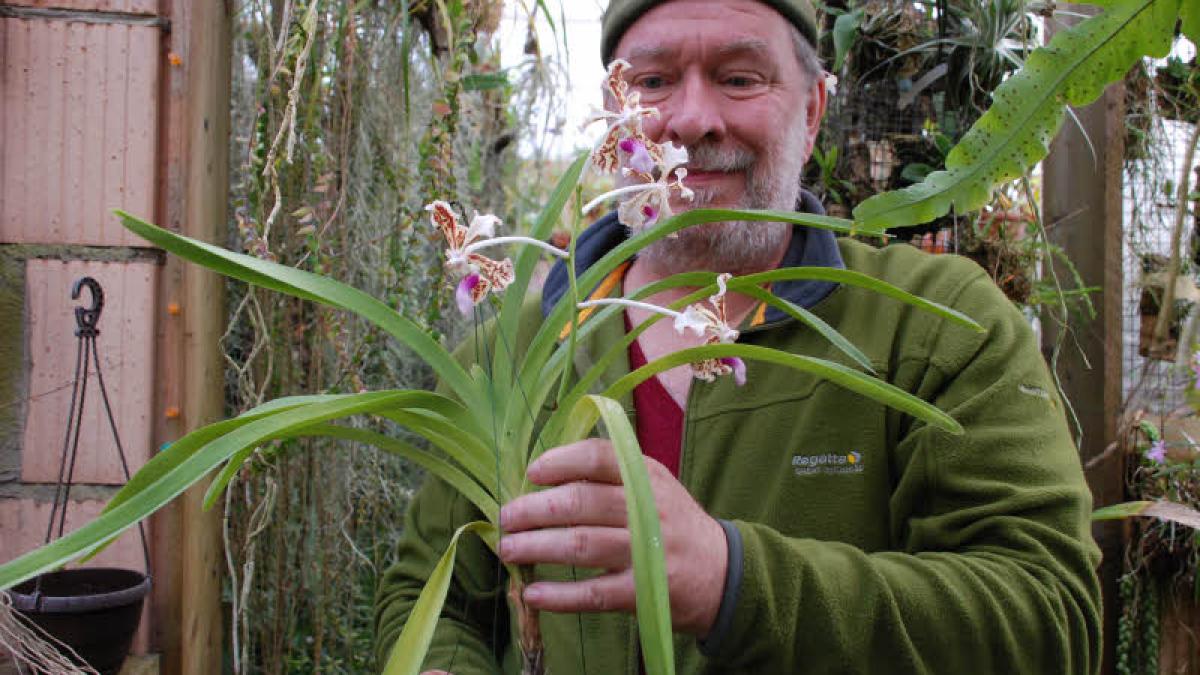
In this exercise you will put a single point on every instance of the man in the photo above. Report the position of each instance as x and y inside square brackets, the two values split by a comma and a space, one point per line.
[805, 529]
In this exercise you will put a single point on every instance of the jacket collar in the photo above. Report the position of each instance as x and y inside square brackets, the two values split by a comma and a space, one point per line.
[810, 247]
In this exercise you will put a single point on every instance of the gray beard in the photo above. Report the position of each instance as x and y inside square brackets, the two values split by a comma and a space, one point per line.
[741, 246]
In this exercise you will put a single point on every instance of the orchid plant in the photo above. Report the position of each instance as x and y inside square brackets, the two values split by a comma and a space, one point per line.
[482, 437]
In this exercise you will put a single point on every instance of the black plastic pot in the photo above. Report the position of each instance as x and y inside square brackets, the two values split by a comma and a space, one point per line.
[93, 611]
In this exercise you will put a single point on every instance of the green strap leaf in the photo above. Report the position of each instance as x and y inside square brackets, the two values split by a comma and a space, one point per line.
[1028, 110]
[514, 295]
[313, 287]
[1189, 14]
[1169, 511]
[851, 379]
[408, 653]
[188, 464]
[645, 534]
[545, 339]
[430, 462]
[814, 322]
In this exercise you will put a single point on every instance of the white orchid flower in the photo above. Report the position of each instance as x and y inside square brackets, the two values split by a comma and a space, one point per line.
[648, 202]
[703, 322]
[627, 123]
[480, 273]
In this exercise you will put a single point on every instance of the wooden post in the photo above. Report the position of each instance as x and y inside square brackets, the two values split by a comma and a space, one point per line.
[1082, 204]
[192, 198]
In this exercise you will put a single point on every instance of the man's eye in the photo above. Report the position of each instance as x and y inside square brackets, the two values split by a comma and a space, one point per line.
[650, 82]
[740, 81]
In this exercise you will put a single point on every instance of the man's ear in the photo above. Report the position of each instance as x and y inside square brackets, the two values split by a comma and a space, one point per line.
[814, 113]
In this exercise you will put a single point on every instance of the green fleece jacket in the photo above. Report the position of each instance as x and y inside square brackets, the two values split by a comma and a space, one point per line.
[870, 543]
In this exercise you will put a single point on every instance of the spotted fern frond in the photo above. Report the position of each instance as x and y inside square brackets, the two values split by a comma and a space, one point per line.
[1028, 109]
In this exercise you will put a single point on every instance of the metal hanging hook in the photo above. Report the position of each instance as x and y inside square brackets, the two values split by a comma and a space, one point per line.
[86, 318]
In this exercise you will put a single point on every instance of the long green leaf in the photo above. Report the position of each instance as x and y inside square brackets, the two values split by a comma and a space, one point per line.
[1169, 511]
[439, 467]
[194, 465]
[543, 342]
[514, 295]
[814, 322]
[1028, 110]
[851, 379]
[408, 653]
[1189, 16]
[475, 456]
[645, 535]
[313, 287]
[706, 283]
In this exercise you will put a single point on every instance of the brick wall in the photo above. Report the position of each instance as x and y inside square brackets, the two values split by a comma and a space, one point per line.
[79, 84]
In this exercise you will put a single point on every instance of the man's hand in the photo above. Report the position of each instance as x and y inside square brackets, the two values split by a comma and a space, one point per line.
[581, 520]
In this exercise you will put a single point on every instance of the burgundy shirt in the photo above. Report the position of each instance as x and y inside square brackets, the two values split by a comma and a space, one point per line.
[659, 417]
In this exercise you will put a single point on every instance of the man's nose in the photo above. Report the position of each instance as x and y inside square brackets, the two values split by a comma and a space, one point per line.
[693, 114]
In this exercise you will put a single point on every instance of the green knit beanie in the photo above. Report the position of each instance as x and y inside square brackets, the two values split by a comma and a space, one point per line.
[621, 14]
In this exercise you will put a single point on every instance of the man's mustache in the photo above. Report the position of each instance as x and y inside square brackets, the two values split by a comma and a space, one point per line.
[713, 157]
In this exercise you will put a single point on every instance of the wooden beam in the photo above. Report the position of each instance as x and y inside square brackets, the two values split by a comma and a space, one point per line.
[1082, 208]
[193, 193]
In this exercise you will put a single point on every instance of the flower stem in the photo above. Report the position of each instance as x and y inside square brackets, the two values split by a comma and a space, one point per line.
[570, 364]
[497, 241]
[628, 189]
[629, 303]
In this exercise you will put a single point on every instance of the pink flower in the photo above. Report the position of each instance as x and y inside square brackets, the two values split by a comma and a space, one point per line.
[464, 295]
[639, 157]
[651, 215]
[1157, 452]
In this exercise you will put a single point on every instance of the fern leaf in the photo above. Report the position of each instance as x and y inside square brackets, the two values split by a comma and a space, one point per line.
[1189, 14]
[1028, 109]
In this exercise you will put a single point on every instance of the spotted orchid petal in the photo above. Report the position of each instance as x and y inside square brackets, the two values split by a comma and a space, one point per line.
[442, 215]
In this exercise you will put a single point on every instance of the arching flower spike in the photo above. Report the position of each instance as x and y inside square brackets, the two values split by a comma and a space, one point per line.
[480, 273]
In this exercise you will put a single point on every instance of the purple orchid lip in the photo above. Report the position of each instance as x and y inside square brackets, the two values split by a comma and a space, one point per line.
[651, 214]
[739, 369]
[639, 156]
[462, 295]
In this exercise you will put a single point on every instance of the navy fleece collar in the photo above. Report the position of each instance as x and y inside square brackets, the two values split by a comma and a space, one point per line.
[810, 247]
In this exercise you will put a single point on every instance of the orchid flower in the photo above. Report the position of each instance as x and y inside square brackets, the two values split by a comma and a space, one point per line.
[1157, 452]
[480, 273]
[711, 324]
[626, 124]
[648, 202]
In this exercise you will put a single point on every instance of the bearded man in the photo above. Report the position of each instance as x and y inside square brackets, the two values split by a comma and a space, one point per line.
[805, 529]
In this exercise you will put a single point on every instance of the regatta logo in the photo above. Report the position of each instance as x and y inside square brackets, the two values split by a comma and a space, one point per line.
[807, 465]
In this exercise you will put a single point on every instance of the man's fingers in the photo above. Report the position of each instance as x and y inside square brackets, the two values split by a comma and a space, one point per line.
[591, 459]
[577, 503]
[606, 593]
[602, 547]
